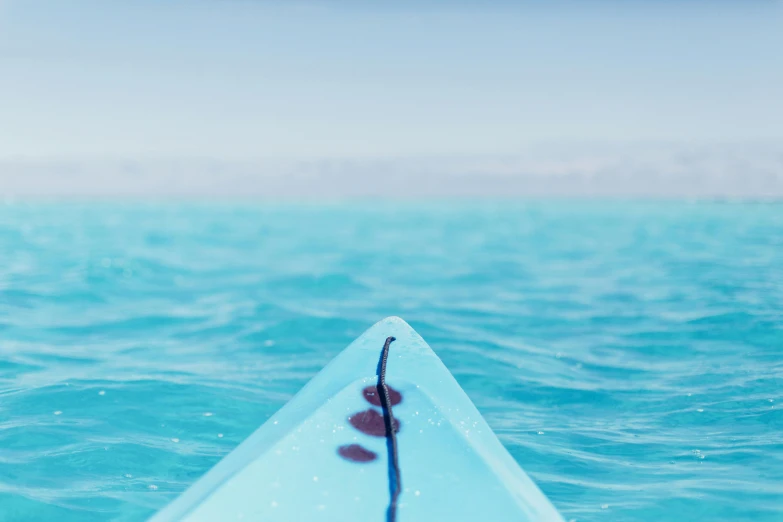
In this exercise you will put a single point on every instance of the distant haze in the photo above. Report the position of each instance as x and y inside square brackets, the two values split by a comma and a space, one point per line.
[332, 99]
[661, 171]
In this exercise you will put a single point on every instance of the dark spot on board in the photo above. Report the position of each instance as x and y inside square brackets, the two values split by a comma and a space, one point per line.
[370, 422]
[356, 453]
[372, 396]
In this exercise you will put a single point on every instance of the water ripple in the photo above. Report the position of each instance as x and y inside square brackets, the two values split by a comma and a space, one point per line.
[627, 354]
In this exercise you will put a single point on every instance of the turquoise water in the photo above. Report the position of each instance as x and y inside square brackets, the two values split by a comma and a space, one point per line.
[629, 355]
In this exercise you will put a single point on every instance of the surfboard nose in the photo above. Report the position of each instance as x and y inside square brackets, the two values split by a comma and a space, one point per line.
[407, 339]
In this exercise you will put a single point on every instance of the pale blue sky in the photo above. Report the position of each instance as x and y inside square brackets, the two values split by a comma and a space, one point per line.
[254, 79]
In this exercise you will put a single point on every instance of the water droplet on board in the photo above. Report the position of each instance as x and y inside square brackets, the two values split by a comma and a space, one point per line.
[153, 487]
[175, 439]
[700, 410]
[220, 435]
[604, 506]
[207, 414]
[102, 392]
[58, 412]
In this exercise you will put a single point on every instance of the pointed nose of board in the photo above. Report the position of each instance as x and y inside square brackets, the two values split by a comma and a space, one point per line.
[328, 432]
[407, 342]
[392, 326]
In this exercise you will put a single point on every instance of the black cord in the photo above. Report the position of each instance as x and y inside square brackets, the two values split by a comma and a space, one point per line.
[395, 482]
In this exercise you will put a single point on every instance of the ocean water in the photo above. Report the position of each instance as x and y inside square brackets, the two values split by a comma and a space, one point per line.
[628, 354]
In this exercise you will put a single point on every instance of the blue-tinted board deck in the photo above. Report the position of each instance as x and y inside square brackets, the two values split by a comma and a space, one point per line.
[324, 455]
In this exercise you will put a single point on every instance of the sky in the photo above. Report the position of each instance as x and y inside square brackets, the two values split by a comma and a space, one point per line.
[238, 80]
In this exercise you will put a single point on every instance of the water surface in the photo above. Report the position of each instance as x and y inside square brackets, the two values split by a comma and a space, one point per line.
[629, 355]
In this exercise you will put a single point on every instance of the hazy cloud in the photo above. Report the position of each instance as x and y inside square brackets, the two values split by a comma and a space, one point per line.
[654, 171]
